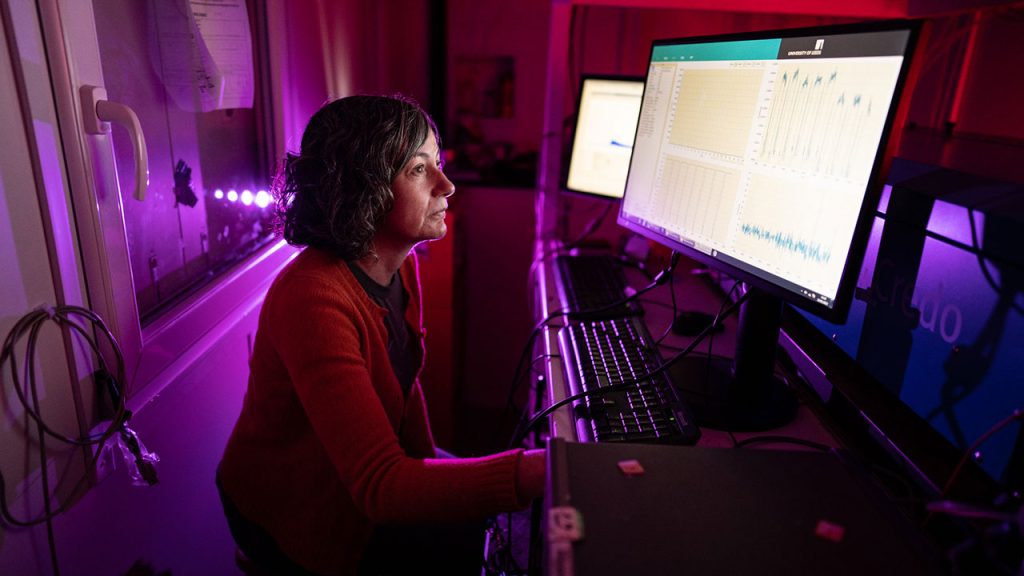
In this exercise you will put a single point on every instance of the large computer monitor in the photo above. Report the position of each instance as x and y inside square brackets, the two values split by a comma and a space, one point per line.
[760, 155]
[606, 114]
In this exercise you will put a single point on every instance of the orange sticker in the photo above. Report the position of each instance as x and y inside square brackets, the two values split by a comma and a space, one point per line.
[829, 531]
[631, 467]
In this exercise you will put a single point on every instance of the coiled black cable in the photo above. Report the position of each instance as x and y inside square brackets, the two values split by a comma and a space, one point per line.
[84, 323]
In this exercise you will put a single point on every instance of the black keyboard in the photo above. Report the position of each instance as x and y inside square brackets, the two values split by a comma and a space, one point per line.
[590, 283]
[603, 353]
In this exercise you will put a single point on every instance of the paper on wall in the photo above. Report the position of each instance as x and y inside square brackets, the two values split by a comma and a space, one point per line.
[205, 53]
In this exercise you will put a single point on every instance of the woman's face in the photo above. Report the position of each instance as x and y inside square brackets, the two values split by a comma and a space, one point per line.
[421, 193]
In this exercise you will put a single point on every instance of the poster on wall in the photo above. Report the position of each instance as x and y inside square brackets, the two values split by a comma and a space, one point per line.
[485, 86]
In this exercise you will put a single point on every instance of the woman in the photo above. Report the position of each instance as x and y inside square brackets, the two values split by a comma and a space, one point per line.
[333, 441]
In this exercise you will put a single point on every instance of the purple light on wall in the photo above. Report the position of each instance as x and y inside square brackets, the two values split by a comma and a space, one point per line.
[232, 196]
[262, 199]
[247, 197]
[218, 194]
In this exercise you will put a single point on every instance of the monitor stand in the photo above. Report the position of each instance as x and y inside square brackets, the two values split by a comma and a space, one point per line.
[741, 394]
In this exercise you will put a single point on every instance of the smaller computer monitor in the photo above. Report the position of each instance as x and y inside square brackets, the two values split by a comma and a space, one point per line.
[602, 142]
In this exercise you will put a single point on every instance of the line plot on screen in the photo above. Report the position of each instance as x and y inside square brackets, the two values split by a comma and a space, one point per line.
[714, 109]
[824, 117]
[816, 228]
[808, 250]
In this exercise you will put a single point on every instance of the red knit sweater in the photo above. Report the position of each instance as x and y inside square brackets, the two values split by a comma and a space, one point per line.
[326, 444]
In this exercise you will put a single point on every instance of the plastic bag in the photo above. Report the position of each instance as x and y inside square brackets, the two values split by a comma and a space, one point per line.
[140, 463]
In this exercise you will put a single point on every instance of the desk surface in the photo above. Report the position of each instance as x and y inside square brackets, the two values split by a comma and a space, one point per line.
[680, 509]
[744, 494]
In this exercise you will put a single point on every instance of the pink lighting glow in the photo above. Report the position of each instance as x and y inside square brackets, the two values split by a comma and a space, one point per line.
[262, 199]
[232, 196]
[218, 194]
[247, 197]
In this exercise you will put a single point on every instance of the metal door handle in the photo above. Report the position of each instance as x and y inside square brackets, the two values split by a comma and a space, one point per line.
[98, 112]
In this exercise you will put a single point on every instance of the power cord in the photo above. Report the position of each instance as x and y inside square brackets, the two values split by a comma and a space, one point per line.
[500, 561]
[999, 544]
[661, 278]
[84, 323]
[777, 439]
[589, 228]
[711, 344]
[675, 310]
[1017, 414]
[518, 374]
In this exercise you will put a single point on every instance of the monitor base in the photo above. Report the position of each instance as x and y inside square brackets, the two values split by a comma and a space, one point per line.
[719, 402]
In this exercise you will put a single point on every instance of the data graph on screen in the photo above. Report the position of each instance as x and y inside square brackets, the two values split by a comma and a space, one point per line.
[757, 152]
[786, 241]
[606, 119]
[792, 231]
[699, 195]
[826, 117]
[713, 109]
[759, 155]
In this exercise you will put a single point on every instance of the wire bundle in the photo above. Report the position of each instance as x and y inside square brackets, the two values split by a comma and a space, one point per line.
[83, 323]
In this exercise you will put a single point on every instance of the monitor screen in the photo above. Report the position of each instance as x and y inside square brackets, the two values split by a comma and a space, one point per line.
[759, 153]
[606, 116]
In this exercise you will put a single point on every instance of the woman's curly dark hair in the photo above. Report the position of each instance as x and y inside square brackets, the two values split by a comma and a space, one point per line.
[335, 192]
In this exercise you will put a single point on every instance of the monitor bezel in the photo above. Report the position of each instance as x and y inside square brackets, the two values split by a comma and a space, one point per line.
[887, 147]
[631, 78]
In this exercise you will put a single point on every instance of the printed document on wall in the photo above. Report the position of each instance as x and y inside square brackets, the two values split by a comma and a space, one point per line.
[205, 53]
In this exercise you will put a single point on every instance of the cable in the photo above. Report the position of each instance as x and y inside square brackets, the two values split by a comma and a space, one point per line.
[661, 278]
[1017, 414]
[562, 247]
[983, 266]
[501, 561]
[621, 260]
[675, 311]
[510, 404]
[589, 229]
[544, 356]
[962, 510]
[520, 434]
[517, 374]
[30, 324]
[774, 439]
[76, 319]
[711, 342]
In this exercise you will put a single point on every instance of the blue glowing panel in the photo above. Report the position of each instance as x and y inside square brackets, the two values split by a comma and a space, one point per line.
[938, 316]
